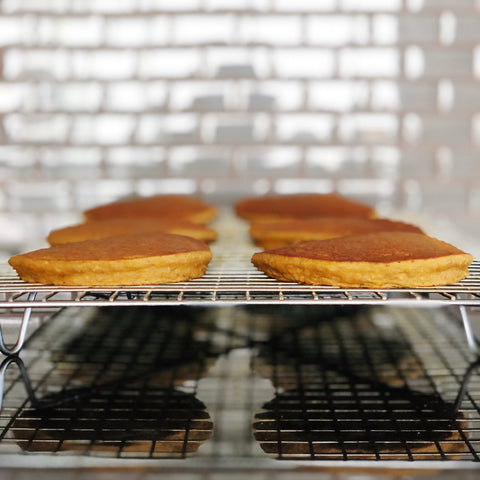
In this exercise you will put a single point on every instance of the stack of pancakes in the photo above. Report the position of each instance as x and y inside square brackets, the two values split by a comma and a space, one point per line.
[330, 240]
[143, 240]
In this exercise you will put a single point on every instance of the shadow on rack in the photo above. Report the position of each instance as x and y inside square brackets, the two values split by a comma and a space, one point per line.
[120, 390]
[342, 393]
[123, 383]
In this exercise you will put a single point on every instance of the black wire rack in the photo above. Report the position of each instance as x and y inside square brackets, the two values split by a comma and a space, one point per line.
[271, 388]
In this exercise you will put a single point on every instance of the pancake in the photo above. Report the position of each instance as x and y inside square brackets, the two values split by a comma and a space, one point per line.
[122, 226]
[285, 232]
[371, 260]
[131, 420]
[275, 207]
[159, 206]
[359, 420]
[122, 260]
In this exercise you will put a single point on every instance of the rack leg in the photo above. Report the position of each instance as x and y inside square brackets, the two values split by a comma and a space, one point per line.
[22, 333]
[26, 380]
[472, 341]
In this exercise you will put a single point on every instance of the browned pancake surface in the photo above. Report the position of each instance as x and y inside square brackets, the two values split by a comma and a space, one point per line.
[97, 229]
[374, 260]
[161, 206]
[119, 247]
[122, 260]
[300, 206]
[283, 232]
[382, 247]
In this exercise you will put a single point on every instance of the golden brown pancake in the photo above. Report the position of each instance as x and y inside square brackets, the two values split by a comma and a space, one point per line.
[122, 260]
[96, 229]
[159, 206]
[285, 232]
[137, 421]
[275, 207]
[371, 260]
[380, 422]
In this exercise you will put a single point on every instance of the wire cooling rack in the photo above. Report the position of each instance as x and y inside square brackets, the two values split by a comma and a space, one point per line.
[248, 389]
[231, 279]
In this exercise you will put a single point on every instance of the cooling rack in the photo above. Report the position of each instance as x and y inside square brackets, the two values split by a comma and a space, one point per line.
[231, 279]
[261, 390]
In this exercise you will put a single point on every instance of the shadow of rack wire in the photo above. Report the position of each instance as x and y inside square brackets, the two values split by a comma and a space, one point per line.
[306, 387]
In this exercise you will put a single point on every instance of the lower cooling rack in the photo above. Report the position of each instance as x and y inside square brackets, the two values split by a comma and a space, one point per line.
[262, 389]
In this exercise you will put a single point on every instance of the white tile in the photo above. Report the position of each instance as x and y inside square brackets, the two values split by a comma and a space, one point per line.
[74, 31]
[39, 196]
[271, 30]
[369, 62]
[371, 5]
[337, 95]
[198, 29]
[417, 95]
[418, 29]
[467, 29]
[77, 96]
[303, 63]
[126, 96]
[304, 5]
[42, 128]
[168, 63]
[337, 30]
[304, 128]
[11, 96]
[442, 130]
[161, 5]
[127, 32]
[448, 63]
[103, 64]
[105, 129]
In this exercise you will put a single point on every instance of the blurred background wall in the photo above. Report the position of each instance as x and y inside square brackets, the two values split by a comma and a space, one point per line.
[375, 99]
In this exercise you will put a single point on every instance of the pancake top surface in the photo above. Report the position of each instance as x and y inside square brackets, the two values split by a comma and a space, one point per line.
[333, 225]
[382, 247]
[118, 248]
[121, 226]
[302, 205]
[171, 206]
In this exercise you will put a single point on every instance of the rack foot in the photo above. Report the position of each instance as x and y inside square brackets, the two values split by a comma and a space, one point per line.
[21, 334]
[23, 371]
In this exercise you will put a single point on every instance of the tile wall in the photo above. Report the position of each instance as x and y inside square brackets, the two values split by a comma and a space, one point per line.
[377, 99]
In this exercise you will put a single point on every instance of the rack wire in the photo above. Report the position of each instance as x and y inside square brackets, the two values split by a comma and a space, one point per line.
[231, 279]
[373, 387]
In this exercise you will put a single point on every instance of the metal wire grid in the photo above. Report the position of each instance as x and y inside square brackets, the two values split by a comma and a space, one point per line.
[346, 392]
[346, 385]
[115, 388]
[230, 279]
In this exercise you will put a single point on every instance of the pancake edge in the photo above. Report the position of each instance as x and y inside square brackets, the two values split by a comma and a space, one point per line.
[429, 272]
[127, 271]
